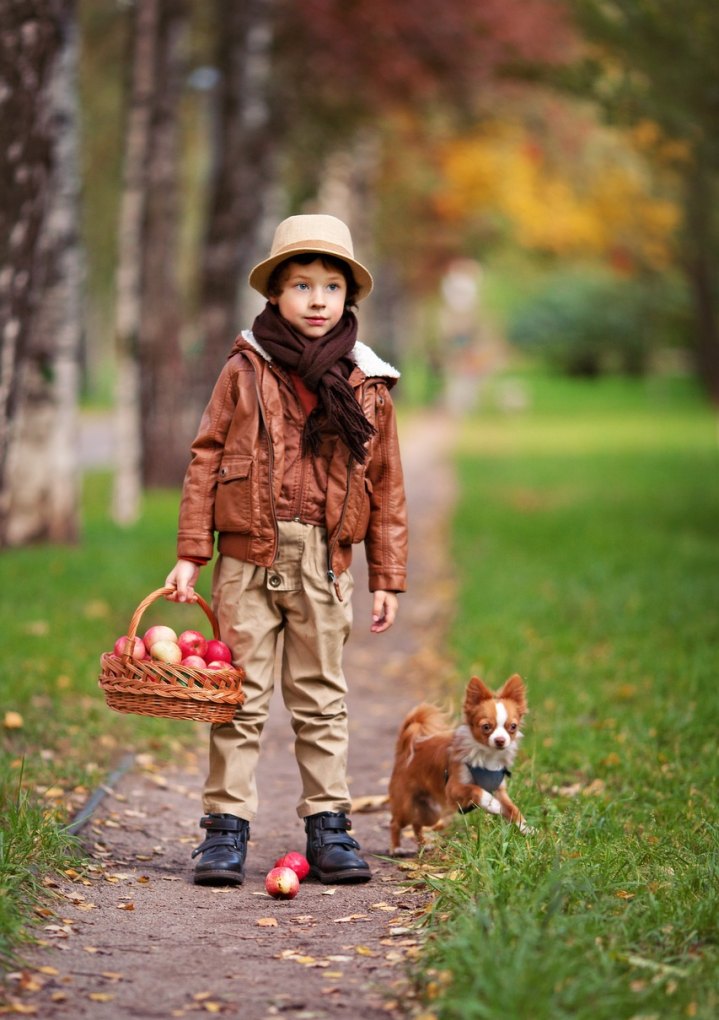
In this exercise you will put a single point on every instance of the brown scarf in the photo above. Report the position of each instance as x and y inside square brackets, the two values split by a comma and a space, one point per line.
[324, 367]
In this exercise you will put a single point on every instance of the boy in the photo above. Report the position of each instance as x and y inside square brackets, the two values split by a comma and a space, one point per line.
[296, 459]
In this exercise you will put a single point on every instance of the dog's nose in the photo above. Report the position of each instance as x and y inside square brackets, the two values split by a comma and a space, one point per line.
[499, 741]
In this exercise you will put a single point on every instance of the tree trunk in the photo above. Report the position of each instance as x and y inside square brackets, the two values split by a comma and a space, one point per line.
[701, 271]
[241, 175]
[41, 272]
[128, 469]
[166, 431]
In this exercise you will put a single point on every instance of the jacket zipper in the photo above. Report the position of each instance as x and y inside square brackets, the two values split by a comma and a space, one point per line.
[271, 463]
[331, 577]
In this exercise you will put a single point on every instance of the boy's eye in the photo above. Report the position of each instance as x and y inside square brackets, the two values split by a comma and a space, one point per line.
[333, 286]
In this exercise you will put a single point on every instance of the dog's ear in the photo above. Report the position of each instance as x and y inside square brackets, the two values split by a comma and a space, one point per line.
[514, 690]
[477, 691]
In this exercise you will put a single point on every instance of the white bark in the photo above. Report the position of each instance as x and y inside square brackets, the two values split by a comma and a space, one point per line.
[128, 423]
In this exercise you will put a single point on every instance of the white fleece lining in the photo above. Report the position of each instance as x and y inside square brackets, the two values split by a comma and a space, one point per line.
[362, 355]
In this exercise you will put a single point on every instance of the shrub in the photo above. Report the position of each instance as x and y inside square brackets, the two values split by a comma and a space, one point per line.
[586, 323]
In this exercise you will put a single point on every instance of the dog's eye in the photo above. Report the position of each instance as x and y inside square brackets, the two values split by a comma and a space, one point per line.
[486, 727]
[512, 727]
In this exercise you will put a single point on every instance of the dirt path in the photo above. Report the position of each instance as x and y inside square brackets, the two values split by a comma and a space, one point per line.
[138, 939]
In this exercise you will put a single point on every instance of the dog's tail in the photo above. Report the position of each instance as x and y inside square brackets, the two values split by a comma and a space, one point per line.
[422, 722]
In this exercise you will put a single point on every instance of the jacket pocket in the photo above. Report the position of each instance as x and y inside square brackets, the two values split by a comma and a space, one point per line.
[233, 500]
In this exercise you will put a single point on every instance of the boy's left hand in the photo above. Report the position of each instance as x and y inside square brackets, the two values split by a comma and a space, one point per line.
[384, 610]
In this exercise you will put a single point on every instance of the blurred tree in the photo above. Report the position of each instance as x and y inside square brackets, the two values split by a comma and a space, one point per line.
[544, 175]
[166, 431]
[150, 445]
[244, 142]
[40, 272]
[658, 61]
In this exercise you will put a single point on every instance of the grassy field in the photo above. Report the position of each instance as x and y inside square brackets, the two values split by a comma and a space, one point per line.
[587, 548]
[61, 608]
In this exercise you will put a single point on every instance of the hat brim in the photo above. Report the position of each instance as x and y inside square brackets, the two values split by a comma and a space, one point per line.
[259, 277]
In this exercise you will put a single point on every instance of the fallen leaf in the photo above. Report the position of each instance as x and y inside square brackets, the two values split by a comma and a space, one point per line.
[351, 917]
[365, 951]
[13, 721]
[267, 922]
[369, 803]
[125, 906]
[101, 996]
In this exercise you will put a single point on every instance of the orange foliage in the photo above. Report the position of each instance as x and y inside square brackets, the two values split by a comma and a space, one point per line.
[590, 196]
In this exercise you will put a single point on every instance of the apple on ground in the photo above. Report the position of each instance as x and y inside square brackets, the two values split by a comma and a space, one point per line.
[296, 861]
[282, 883]
[158, 633]
[166, 651]
[194, 661]
[217, 650]
[137, 647]
[191, 642]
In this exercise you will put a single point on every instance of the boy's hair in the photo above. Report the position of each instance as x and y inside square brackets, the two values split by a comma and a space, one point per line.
[274, 284]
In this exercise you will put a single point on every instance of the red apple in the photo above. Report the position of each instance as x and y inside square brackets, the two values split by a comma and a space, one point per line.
[191, 642]
[282, 883]
[166, 651]
[158, 633]
[297, 862]
[219, 664]
[194, 661]
[217, 650]
[137, 649]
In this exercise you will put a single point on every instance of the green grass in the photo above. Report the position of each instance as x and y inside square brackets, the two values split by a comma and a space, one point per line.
[62, 607]
[586, 540]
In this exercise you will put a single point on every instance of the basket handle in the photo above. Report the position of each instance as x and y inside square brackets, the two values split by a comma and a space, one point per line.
[153, 597]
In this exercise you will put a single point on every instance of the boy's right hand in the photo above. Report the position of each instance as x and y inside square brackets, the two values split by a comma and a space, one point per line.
[183, 578]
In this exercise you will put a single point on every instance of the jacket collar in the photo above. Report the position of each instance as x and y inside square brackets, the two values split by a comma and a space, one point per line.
[363, 356]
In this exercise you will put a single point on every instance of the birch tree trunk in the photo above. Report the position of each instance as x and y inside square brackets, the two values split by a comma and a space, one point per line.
[242, 174]
[167, 421]
[40, 273]
[128, 421]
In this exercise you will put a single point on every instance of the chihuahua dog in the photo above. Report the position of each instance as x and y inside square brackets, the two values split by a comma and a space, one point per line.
[439, 769]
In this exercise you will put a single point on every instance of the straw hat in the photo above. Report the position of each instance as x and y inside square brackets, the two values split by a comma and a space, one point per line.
[319, 233]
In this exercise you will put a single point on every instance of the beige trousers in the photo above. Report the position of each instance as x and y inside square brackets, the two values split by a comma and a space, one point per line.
[254, 607]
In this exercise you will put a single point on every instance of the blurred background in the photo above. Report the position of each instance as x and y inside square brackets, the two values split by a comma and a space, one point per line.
[532, 182]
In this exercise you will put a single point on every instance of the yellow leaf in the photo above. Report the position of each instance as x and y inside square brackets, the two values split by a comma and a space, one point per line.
[351, 917]
[365, 951]
[212, 1007]
[101, 996]
[267, 922]
[52, 971]
[13, 721]
[125, 906]
[369, 803]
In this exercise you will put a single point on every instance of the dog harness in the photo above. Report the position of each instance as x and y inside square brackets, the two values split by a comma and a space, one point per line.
[489, 779]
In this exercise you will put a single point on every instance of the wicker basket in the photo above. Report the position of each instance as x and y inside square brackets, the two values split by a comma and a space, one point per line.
[149, 687]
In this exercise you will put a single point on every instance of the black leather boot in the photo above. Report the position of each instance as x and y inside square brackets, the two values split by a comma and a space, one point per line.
[331, 851]
[223, 851]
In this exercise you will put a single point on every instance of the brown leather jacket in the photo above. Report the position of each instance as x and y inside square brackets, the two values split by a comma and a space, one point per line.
[233, 481]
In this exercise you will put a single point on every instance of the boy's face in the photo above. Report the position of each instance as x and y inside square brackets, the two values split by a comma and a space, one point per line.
[312, 297]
